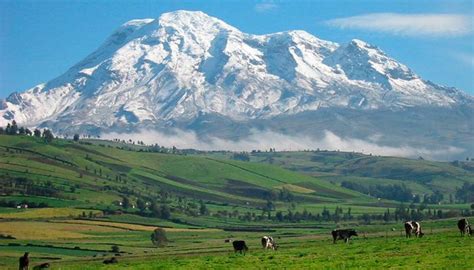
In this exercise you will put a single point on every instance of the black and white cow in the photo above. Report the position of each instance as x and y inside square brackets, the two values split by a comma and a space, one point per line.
[269, 243]
[413, 227]
[464, 227]
[344, 234]
[240, 246]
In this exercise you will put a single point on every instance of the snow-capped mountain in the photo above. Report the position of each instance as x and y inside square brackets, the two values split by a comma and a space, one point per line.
[183, 65]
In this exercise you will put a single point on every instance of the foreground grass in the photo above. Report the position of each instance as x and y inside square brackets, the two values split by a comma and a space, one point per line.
[439, 251]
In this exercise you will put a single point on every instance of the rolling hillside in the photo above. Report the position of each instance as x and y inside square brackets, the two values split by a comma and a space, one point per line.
[421, 176]
[94, 173]
[73, 190]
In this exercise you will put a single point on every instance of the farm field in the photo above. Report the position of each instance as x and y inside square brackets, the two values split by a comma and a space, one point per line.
[377, 246]
[75, 204]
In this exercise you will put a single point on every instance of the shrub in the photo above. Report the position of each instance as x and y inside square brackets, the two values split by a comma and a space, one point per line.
[158, 237]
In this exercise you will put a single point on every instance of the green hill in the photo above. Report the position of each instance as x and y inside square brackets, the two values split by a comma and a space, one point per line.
[421, 176]
[98, 174]
[74, 190]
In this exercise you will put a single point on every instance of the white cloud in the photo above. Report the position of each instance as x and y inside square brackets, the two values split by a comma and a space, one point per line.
[408, 24]
[465, 58]
[268, 139]
[265, 6]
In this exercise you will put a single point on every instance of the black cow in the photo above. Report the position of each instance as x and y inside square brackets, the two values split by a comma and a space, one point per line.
[42, 266]
[240, 246]
[464, 227]
[343, 235]
[24, 262]
[110, 261]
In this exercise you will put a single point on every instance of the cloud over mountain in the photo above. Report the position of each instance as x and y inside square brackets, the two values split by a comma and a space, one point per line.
[190, 71]
[408, 24]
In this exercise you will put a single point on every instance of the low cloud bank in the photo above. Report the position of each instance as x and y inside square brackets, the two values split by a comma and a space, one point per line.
[268, 139]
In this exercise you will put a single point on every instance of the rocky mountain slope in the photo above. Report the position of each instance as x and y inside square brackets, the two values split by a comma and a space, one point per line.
[186, 68]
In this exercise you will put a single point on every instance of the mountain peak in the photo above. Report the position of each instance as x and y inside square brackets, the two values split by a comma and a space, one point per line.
[360, 43]
[192, 20]
[185, 63]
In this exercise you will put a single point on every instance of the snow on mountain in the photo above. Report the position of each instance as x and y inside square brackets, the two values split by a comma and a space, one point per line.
[185, 64]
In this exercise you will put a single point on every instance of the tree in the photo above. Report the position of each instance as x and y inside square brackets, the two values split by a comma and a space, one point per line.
[158, 237]
[165, 211]
[465, 193]
[155, 209]
[48, 135]
[202, 208]
[270, 206]
[141, 204]
[115, 249]
[13, 128]
[125, 202]
[37, 133]
[76, 137]
[279, 216]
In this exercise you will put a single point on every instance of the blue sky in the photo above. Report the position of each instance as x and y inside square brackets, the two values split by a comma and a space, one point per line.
[40, 40]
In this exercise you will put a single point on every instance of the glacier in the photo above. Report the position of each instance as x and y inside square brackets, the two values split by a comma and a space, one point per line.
[186, 68]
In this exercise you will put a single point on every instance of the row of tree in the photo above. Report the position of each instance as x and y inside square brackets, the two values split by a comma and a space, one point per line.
[395, 192]
[24, 186]
[13, 129]
[30, 204]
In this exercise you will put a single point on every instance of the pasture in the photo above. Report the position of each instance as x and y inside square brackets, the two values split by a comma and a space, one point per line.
[77, 218]
[83, 244]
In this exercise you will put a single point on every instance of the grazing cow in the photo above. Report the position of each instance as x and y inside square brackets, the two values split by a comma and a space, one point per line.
[24, 262]
[343, 235]
[413, 227]
[110, 261]
[42, 266]
[268, 242]
[240, 246]
[464, 227]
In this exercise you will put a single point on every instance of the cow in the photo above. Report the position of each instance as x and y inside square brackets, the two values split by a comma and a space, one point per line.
[344, 234]
[413, 227]
[464, 227]
[110, 261]
[24, 262]
[240, 246]
[42, 266]
[269, 243]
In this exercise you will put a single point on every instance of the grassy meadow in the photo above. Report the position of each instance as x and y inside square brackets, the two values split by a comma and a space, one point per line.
[74, 219]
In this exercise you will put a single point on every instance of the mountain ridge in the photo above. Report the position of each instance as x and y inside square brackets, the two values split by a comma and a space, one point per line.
[152, 73]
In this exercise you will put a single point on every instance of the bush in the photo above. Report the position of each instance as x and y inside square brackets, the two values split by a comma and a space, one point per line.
[115, 249]
[158, 237]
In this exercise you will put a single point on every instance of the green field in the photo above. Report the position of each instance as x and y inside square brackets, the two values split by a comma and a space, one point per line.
[376, 247]
[73, 190]
[334, 166]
